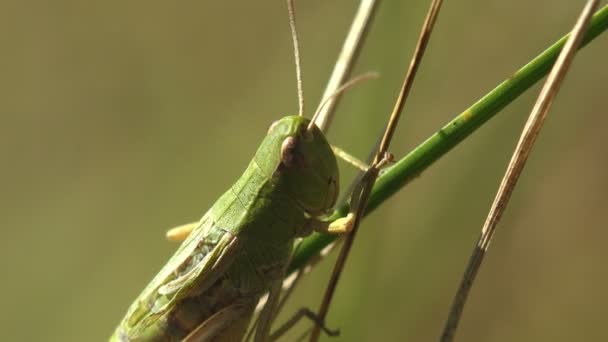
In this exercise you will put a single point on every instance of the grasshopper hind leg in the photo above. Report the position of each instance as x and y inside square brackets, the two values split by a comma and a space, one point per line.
[226, 325]
[269, 313]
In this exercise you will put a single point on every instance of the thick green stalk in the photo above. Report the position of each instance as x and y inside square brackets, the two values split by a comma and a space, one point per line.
[451, 134]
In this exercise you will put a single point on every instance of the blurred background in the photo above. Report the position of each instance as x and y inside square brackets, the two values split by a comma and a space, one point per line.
[123, 119]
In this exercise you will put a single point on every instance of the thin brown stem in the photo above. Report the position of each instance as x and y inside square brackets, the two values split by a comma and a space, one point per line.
[361, 195]
[516, 165]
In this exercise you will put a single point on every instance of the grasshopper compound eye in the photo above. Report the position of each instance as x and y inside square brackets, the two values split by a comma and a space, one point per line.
[288, 150]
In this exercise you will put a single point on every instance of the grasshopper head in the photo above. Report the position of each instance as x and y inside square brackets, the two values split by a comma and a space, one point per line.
[302, 162]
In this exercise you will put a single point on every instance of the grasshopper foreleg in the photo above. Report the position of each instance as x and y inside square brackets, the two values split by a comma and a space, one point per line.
[338, 226]
[349, 158]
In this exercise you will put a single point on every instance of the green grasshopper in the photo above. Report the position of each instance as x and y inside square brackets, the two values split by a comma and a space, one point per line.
[241, 247]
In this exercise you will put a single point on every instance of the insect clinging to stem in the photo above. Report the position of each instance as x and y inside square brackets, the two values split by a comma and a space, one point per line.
[241, 247]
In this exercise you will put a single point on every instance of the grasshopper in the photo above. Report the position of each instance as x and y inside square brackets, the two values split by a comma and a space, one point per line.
[242, 246]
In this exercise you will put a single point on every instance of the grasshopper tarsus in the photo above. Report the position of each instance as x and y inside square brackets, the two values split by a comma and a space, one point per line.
[304, 313]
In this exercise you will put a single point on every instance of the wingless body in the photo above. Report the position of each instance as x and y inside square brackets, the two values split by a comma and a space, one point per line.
[240, 249]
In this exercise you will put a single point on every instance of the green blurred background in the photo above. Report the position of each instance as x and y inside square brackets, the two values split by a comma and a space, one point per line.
[122, 119]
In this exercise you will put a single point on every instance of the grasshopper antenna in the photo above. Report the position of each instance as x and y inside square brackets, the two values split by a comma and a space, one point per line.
[340, 90]
[296, 55]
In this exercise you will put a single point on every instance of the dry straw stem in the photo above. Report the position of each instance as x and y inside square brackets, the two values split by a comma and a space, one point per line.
[516, 165]
[361, 194]
[345, 62]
